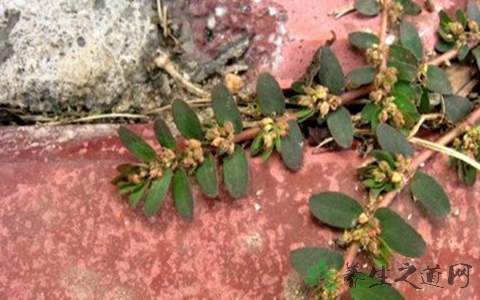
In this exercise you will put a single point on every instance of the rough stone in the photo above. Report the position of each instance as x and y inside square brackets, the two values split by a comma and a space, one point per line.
[88, 54]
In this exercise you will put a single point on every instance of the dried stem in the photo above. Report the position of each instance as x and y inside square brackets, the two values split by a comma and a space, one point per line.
[163, 62]
[445, 150]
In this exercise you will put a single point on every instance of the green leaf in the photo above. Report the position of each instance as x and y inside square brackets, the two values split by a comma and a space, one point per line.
[163, 134]
[270, 96]
[363, 40]
[402, 54]
[473, 12]
[410, 7]
[137, 194]
[157, 193]
[410, 39]
[424, 106]
[331, 73]
[445, 19]
[412, 91]
[186, 120]
[437, 81]
[309, 256]
[225, 108]
[361, 76]
[340, 125]
[128, 188]
[393, 141]
[407, 108]
[370, 113]
[457, 108]
[235, 173]
[292, 147]
[384, 156]
[476, 54]
[329, 275]
[406, 72]
[136, 145]
[321, 265]
[207, 177]
[330, 286]
[398, 235]
[311, 281]
[257, 145]
[312, 270]
[463, 52]
[444, 46]
[362, 290]
[431, 194]
[367, 7]
[305, 114]
[462, 17]
[182, 194]
[335, 209]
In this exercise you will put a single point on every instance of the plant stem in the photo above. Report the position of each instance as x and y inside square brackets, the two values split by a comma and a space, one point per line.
[447, 56]
[445, 150]
[164, 62]
[354, 247]
[383, 33]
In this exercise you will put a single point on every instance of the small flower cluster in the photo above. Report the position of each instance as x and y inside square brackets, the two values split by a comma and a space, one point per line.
[221, 138]
[270, 136]
[366, 233]
[469, 143]
[384, 82]
[375, 55]
[154, 169]
[317, 96]
[384, 175]
[460, 31]
[395, 11]
[192, 155]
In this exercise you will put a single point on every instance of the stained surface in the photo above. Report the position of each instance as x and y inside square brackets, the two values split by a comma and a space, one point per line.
[65, 233]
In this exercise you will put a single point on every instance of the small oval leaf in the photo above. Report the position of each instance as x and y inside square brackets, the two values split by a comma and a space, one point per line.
[363, 291]
[137, 194]
[431, 194]
[225, 108]
[340, 125]
[292, 147]
[157, 193]
[437, 81]
[182, 194]
[398, 235]
[163, 134]
[361, 76]
[363, 40]
[186, 120]
[335, 209]
[367, 7]
[457, 108]
[270, 95]
[331, 73]
[235, 173]
[310, 256]
[136, 145]
[207, 177]
[410, 39]
[393, 141]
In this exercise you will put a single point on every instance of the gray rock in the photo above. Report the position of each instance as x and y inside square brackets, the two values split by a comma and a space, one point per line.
[78, 54]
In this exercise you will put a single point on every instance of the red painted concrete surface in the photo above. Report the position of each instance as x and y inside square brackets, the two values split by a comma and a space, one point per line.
[66, 234]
